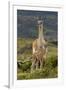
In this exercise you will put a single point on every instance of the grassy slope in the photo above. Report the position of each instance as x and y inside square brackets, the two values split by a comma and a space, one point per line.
[25, 51]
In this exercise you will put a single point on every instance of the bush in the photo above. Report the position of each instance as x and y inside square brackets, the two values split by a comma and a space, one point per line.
[51, 62]
[26, 66]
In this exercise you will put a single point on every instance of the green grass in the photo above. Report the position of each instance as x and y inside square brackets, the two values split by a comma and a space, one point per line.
[38, 74]
[24, 52]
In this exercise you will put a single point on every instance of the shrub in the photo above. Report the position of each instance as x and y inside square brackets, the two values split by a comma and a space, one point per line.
[51, 62]
[25, 66]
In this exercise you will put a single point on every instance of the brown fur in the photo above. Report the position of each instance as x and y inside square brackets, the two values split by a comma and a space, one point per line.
[39, 54]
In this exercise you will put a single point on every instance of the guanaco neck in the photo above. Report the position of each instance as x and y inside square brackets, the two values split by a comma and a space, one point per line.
[41, 37]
